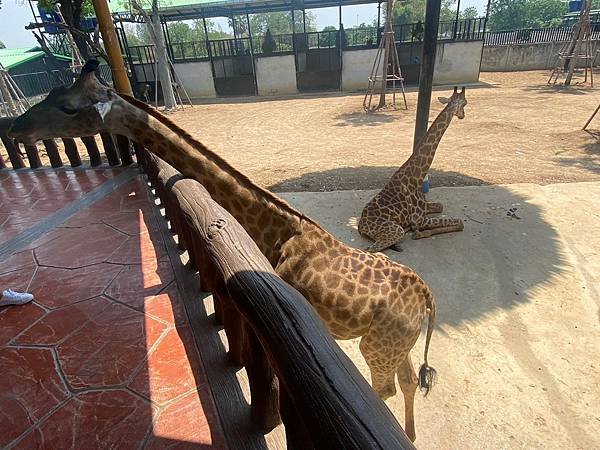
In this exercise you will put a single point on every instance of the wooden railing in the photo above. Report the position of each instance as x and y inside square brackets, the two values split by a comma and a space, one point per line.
[296, 371]
[116, 148]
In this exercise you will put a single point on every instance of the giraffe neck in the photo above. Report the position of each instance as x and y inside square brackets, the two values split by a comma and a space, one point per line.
[269, 220]
[420, 161]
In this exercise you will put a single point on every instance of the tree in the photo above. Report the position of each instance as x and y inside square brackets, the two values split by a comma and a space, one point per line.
[414, 11]
[514, 14]
[2, 45]
[152, 20]
[73, 11]
[269, 45]
[469, 13]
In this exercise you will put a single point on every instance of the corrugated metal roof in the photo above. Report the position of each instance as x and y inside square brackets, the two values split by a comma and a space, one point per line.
[13, 57]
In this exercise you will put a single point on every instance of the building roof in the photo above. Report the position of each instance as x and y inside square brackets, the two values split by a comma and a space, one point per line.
[187, 9]
[13, 57]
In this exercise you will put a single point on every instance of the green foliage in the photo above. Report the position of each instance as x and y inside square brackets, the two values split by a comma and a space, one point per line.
[281, 23]
[469, 13]
[2, 45]
[513, 14]
[87, 9]
[414, 11]
[269, 45]
[342, 33]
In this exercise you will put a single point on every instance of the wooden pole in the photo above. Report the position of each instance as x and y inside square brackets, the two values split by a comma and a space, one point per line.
[581, 31]
[432, 21]
[111, 44]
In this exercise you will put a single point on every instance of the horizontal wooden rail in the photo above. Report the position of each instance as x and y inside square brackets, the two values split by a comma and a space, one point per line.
[112, 146]
[297, 372]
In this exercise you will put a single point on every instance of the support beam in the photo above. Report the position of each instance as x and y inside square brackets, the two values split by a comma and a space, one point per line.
[432, 21]
[111, 44]
[252, 53]
[456, 20]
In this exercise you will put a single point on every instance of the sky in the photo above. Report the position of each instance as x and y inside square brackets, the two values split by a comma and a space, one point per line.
[15, 15]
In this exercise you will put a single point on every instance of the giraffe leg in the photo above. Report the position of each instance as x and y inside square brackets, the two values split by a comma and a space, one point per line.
[388, 235]
[434, 208]
[437, 225]
[382, 369]
[407, 378]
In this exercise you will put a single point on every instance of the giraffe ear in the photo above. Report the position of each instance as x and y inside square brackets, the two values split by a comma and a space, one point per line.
[444, 100]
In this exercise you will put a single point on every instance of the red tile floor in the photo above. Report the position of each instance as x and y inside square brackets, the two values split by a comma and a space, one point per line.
[104, 357]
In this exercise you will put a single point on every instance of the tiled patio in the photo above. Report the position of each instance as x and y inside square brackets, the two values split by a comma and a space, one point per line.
[104, 357]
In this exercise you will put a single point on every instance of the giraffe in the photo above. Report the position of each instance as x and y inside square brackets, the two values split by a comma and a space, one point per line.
[401, 206]
[356, 293]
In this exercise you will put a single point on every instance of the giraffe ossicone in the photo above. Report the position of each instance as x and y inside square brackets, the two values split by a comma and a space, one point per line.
[356, 293]
[400, 207]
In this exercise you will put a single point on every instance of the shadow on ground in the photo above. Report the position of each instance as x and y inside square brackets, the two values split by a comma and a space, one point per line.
[365, 177]
[494, 264]
[589, 146]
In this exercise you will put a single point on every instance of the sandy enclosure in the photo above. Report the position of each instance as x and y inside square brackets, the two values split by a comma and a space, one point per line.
[517, 129]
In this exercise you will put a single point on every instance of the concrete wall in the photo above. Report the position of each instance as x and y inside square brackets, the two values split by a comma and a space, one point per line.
[515, 57]
[356, 68]
[197, 79]
[457, 62]
[276, 75]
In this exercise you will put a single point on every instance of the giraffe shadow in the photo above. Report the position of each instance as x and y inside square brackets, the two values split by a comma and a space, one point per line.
[500, 258]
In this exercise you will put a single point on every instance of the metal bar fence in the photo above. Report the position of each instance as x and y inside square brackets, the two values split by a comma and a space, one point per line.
[40, 83]
[535, 35]
[465, 29]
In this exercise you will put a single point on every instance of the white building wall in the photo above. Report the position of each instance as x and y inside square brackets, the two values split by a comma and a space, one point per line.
[457, 62]
[276, 75]
[356, 68]
[196, 78]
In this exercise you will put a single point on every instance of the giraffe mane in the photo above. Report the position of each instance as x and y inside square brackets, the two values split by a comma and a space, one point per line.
[242, 179]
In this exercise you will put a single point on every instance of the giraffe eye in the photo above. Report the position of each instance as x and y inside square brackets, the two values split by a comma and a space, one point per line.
[67, 110]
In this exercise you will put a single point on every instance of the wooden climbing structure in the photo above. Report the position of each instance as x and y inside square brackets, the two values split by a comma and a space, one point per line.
[386, 69]
[578, 52]
[12, 100]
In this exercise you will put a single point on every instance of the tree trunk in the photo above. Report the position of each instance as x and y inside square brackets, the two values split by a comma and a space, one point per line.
[164, 71]
[71, 11]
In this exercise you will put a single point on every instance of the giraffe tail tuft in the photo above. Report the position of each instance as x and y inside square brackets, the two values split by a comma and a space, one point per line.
[427, 374]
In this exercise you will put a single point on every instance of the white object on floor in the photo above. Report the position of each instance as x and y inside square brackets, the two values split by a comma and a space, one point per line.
[10, 297]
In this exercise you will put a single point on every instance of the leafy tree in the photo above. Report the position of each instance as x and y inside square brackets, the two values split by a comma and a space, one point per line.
[414, 11]
[2, 45]
[280, 23]
[469, 13]
[342, 33]
[73, 11]
[269, 45]
[513, 14]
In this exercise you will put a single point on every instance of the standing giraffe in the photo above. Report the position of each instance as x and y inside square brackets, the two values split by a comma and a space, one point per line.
[356, 293]
[401, 206]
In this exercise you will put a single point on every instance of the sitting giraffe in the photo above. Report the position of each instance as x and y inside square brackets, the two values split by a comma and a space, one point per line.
[356, 293]
[401, 206]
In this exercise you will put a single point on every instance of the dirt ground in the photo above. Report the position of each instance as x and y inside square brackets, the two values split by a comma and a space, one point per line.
[517, 129]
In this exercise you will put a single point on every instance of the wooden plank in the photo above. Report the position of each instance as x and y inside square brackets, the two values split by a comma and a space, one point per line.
[33, 156]
[53, 155]
[72, 152]
[109, 149]
[92, 150]
[124, 147]
[228, 384]
[13, 150]
[327, 402]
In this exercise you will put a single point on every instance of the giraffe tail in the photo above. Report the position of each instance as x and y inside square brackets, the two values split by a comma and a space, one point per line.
[427, 374]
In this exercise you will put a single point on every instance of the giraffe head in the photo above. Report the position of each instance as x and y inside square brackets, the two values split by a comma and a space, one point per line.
[457, 102]
[67, 111]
